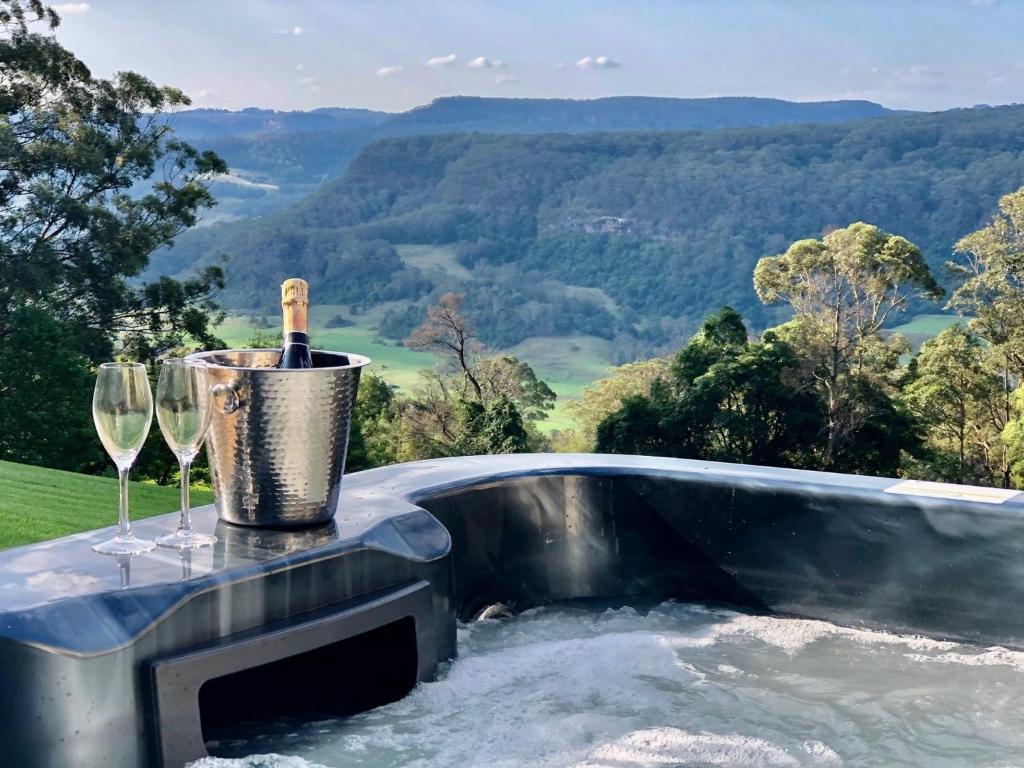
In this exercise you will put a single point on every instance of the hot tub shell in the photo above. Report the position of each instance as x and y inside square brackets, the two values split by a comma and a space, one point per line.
[102, 661]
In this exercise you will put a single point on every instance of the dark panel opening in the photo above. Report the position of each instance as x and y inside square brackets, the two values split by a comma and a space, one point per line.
[336, 680]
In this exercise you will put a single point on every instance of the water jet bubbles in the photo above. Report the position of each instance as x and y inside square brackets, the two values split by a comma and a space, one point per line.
[590, 686]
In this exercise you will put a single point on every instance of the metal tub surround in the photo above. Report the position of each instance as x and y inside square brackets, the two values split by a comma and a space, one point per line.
[122, 663]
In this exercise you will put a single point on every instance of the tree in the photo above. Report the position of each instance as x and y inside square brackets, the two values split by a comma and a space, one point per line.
[496, 427]
[92, 181]
[608, 395]
[505, 375]
[464, 399]
[374, 433]
[954, 390]
[74, 230]
[635, 429]
[727, 399]
[843, 289]
[991, 266]
[46, 419]
[449, 334]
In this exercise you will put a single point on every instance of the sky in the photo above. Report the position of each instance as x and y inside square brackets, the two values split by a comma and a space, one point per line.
[396, 54]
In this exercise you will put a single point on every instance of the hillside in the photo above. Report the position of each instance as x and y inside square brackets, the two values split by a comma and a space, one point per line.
[631, 237]
[277, 157]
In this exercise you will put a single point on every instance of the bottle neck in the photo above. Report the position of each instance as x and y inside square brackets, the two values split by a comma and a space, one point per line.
[296, 337]
[296, 318]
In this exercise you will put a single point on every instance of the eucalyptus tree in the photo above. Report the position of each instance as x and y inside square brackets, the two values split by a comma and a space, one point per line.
[843, 290]
[963, 399]
[990, 264]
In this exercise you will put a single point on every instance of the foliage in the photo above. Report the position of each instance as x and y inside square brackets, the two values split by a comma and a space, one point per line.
[992, 269]
[511, 378]
[494, 427]
[338, 321]
[607, 395]
[959, 394]
[373, 435]
[73, 149]
[843, 289]
[727, 399]
[46, 418]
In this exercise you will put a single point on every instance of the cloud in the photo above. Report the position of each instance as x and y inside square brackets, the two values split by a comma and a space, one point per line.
[388, 71]
[443, 61]
[501, 79]
[919, 74]
[298, 30]
[600, 62]
[300, 67]
[72, 8]
[482, 62]
[310, 81]
[205, 93]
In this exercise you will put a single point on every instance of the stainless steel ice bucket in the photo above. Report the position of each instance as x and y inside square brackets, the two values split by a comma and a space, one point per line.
[278, 439]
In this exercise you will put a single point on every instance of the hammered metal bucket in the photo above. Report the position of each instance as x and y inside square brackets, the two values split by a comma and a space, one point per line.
[278, 438]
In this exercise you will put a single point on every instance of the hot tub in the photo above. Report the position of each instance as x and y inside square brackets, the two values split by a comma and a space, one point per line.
[136, 662]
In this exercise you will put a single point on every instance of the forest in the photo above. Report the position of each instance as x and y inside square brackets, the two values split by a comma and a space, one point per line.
[668, 225]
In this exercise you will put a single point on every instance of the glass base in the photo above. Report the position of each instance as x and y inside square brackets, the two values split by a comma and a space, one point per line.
[182, 539]
[124, 545]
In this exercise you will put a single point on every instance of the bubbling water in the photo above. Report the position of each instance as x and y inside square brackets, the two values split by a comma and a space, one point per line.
[678, 685]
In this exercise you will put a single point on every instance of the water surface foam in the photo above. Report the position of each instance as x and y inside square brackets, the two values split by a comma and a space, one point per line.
[677, 685]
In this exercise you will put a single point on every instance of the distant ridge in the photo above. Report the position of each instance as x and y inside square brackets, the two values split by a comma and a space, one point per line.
[293, 152]
[197, 124]
[647, 113]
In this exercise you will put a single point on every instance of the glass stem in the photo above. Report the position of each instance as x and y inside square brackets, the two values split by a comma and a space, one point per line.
[186, 515]
[124, 528]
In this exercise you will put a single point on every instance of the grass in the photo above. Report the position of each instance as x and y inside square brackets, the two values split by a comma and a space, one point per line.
[926, 327]
[38, 504]
[436, 258]
[930, 325]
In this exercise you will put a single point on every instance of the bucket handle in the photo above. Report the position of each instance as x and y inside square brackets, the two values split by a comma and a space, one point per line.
[232, 402]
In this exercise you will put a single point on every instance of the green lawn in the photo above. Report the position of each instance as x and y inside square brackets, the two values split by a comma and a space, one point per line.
[38, 504]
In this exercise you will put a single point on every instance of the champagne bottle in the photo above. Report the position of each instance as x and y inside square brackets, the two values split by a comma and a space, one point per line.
[295, 305]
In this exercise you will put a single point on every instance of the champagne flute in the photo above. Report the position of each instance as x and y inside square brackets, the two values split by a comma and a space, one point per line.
[183, 410]
[122, 410]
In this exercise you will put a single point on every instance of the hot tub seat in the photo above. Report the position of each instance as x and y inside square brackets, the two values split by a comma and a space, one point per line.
[102, 660]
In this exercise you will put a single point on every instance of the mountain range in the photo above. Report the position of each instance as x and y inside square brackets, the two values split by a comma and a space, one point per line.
[279, 157]
[630, 236]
